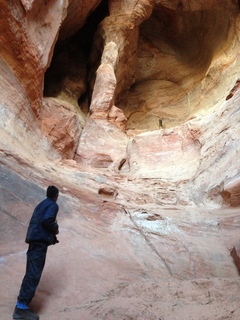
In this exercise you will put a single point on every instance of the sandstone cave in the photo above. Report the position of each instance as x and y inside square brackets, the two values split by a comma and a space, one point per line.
[130, 107]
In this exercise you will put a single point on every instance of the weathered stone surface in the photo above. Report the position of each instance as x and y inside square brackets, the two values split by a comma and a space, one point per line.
[102, 145]
[235, 253]
[196, 5]
[181, 70]
[62, 124]
[231, 191]
[77, 14]
[31, 30]
[115, 253]
[160, 153]
[107, 192]
[102, 99]
[117, 117]
[135, 131]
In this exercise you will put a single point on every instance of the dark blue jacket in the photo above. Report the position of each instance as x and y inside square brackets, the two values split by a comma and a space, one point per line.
[43, 226]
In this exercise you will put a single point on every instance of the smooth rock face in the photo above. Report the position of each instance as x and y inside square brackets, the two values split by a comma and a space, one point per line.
[131, 108]
[102, 145]
[156, 155]
[109, 254]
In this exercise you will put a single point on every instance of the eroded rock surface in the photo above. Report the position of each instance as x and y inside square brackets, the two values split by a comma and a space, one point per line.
[131, 108]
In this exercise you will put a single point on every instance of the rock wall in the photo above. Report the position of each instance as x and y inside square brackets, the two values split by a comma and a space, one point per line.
[138, 98]
[131, 108]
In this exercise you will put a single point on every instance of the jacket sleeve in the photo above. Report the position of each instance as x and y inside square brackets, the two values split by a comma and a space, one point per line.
[49, 218]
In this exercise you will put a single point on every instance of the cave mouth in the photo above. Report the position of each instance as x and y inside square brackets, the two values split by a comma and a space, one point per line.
[178, 60]
[183, 60]
[67, 77]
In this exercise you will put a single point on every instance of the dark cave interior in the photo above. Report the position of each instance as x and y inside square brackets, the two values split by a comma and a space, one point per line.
[70, 67]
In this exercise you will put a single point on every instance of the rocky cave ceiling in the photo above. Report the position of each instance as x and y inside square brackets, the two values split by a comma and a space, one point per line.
[172, 62]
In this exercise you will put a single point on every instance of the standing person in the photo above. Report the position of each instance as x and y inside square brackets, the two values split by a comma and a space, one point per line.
[41, 233]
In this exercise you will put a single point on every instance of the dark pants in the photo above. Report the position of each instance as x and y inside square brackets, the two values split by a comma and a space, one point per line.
[36, 257]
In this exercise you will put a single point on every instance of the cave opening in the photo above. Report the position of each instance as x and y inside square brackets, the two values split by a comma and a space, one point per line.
[181, 56]
[67, 77]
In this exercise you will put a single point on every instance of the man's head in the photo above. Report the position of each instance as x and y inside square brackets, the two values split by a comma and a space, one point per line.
[52, 192]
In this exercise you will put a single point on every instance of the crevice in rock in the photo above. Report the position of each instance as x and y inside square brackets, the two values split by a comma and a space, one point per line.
[121, 164]
[231, 191]
[107, 191]
[235, 253]
[67, 78]
[234, 90]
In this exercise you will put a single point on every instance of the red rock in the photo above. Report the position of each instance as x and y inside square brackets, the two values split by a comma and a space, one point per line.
[144, 147]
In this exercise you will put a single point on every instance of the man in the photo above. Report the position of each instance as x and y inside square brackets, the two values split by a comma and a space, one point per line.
[41, 233]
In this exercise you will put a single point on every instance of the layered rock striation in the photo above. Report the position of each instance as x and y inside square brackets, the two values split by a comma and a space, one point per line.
[132, 108]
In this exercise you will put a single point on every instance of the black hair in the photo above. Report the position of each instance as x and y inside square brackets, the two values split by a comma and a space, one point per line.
[52, 192]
